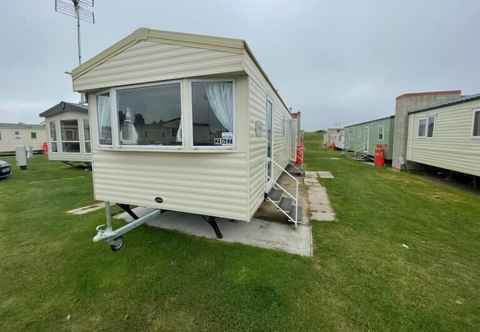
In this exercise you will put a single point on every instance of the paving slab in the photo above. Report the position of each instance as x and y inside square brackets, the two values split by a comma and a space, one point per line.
[325, 175]
[87, 209]
[258, 232]
[318, 203]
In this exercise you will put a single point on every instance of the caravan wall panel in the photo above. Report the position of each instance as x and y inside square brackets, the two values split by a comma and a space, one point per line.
[452, 146]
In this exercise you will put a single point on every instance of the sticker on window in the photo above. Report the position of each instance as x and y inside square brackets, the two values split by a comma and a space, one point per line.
[226, 139]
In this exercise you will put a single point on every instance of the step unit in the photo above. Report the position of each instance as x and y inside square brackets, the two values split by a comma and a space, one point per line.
[285, 201]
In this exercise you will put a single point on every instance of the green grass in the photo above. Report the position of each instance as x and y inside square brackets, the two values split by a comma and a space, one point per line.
[361, 277]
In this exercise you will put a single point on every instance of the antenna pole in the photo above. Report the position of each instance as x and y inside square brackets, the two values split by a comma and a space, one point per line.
[77, 13]
[79, 43]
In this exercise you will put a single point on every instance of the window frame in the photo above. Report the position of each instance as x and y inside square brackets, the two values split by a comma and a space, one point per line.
[382, 129]
[186, 116]
[475, 111]
[434, 116]
[418, 127]
[85, 141]
[98, 145]
[78, 133]
[116, 125]
[190, 110]
[33, 135]
[50, 141]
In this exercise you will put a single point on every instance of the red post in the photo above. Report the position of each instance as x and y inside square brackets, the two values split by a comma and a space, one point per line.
[45, 148]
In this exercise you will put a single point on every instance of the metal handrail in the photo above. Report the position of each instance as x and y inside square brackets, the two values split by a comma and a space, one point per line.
[297, 184]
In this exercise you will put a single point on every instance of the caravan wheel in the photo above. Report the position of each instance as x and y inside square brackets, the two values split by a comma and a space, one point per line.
[117, 244]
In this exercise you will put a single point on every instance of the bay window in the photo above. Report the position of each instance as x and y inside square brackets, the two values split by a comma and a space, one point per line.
[212, 113]
[175, 115]
[53, 137]
[150, 115]
[86, 135]
[70, 136]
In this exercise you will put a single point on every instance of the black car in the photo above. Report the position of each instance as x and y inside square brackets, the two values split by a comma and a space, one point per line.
[5, 169]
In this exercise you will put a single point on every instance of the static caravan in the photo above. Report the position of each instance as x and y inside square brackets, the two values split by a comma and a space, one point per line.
[447, 135]
[13, 135]
[362, 137]
[186, 123]
[335, 137]
[68, 132]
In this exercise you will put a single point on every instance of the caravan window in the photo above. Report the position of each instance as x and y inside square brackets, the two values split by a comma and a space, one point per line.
[53, 137]
[86, 135]
[213, 113]
[150, 115]
[422, 127]
[104, 119]
[476, 123]
[69, 135]
[431, 126]
[380, 133]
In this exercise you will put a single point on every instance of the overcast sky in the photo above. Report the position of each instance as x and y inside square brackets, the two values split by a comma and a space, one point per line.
[338, 62]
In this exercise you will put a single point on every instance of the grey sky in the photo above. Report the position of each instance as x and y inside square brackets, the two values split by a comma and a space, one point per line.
[336, 61]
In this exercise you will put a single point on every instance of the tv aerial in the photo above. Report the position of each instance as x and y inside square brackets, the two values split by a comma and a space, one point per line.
[81, 10]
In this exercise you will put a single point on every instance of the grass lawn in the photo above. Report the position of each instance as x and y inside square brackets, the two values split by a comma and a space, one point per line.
[52, 277]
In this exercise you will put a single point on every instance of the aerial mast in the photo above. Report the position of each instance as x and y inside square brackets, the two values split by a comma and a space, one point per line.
[81, 10]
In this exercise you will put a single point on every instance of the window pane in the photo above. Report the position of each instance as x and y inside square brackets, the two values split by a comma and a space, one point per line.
[476, 124]
[53, 147]
[86, 130]
[431, 125]
[212, 111]
[71, 146]
[88, 147]
[33, 135]
[150, 115]
[53, 131]
[422, 127]
[69, 130]
[380, 133]
[103, 119]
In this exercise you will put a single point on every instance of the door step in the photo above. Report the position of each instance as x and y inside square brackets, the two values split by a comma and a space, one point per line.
[275, 194]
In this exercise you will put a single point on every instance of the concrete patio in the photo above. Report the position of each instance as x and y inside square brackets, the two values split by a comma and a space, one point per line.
[259, 233]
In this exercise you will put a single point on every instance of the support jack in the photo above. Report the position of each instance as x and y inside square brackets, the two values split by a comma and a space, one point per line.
[114, 238]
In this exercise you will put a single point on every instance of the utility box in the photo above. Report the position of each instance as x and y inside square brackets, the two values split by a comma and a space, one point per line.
[29, 152]
[21, 157]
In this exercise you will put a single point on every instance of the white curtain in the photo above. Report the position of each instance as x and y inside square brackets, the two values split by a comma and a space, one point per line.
[179, 131]
[220, 98]
[103, 114]
[129, 133]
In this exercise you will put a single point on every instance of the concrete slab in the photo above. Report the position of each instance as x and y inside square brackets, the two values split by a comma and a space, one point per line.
[258, 232]
[318, 203]
[87, 209]
[325, 175]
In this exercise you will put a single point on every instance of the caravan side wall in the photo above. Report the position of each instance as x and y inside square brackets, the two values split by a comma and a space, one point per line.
[60, 155]
[284, 139]
[10, 138]
[355, 137]
[452, 145]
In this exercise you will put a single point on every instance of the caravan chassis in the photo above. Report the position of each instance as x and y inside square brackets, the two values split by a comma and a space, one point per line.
[114, 238]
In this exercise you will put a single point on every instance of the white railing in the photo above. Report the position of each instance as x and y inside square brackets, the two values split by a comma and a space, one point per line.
[295, 198]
